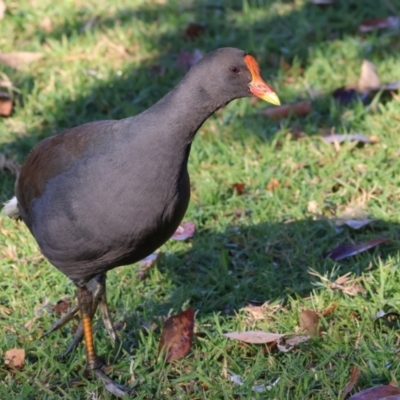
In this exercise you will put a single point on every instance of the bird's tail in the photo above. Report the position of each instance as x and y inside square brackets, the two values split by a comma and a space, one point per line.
[11, 208]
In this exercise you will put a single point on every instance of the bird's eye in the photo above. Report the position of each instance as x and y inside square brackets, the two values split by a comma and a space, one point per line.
[234, 69]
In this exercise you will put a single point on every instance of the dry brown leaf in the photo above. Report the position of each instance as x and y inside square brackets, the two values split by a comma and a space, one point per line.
[309, 321]
[177, 335]
[369, 78]
[14, 358]
[378, 393]
[331, 308]
[261, 312]
[19, 59]
[257, 312]
[61, 307]
[238, 188]
[343, 283]
[273, 184]
[6, 104]
[255, 337]
[355, 373]
[299, 109]
[292, 342]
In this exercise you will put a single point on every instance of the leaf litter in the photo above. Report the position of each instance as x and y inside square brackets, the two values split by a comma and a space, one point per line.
[14, 358]
[299, 109]
[185, 231]
[384, 392]
[344, 283]
[368, 85]
[177, 335]
[355, 374]
[344, 251]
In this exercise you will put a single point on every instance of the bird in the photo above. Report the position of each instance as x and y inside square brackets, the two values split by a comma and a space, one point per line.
[109, 193]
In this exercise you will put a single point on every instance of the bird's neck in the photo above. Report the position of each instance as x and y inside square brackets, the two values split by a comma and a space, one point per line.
[183, 110]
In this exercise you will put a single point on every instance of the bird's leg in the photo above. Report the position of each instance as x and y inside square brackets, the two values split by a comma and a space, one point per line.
[85, 302]
[97, 286]
[105, 312]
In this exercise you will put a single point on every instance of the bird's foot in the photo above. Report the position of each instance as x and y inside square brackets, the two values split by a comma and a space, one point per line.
[96, 368]
[115, 388]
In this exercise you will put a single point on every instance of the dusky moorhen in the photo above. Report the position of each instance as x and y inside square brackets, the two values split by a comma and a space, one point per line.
[109, 193]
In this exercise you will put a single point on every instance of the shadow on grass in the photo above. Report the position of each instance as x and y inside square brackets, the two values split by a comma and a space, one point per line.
[293, 35]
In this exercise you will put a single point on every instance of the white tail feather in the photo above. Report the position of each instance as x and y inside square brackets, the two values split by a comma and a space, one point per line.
[11, 208]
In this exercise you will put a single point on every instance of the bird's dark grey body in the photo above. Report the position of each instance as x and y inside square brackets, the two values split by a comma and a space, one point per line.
[108, 193]
[114, 191]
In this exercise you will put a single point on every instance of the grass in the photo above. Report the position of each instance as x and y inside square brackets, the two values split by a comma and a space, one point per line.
[255, 247]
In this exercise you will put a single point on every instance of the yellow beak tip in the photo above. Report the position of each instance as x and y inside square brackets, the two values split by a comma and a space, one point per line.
[271, 97]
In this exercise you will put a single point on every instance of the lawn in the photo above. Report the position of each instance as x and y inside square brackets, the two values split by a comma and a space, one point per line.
[113, 59]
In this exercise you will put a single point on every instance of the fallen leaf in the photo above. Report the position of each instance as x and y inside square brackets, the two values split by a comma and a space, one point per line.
[299, 109]
[309, 321]
[147, 263]
[339, 138]
[328, 311]
[185, 231]
[177, 335]
[3, 9]
[369, 78]
[312, 207]
[298, 339]
[368, 85]
[187, 60]
[322, 2]
[343, 283]
[256, 312]
[255, 337]
[6, 104]
[354, 223]
[46, 24]
[238, 188]
[273, 184]
[355, 373]
[290, 344]
[61, 307]
[344, 251]
[379, 23]
[19, 58]
[377, 393]
[14, 358]
[193, 31]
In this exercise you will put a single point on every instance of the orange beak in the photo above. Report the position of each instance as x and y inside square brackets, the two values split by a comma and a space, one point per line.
[257, 85]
